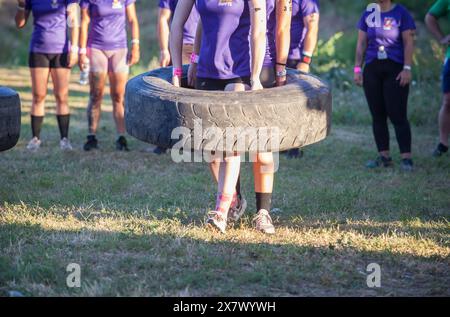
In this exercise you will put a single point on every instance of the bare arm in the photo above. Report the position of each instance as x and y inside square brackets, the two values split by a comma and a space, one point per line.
[258, 19]
[182, 12]
[192, 72]
[361, 47]
[312, 24]
[283, 35]
[84, 27]
[405, 75]
[73, 21]
[21, 17]
[163, 35]
[434, 27]
[134, 56]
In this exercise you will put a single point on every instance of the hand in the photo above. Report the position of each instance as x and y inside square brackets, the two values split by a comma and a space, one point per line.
[404, 77]
[445, 40]
[358, 79]
[192, 74]
[256, 85]
[280, 81]
[73, 59]
[82, 60]
[134, 56]
[176, 81]
[303, 67]
[164, 58]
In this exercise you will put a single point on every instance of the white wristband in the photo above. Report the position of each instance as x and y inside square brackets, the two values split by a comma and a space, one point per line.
[74, 49]
[407, 67]
[82, 51]
[20, 8]
[309, 54]
[135, 41]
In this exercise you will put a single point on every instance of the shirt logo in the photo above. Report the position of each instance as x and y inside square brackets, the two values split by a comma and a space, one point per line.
[117, 4]
[225, 3]
[388, 24]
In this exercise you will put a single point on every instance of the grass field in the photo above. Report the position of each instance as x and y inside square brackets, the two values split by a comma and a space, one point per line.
[134, 221]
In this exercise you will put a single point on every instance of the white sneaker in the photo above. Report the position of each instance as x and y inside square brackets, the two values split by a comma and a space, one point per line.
[217, 220]
[263, 222]
[65, 145]
[34, 144]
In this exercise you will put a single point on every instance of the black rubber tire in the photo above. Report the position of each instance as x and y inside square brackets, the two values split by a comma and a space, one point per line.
[10, 115]
[301, 110]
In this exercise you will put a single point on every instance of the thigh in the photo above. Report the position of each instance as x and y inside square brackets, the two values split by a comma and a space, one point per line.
[97, 82]
[61, 79]
[98, 61]
[373, 89]
[396, 96]
[39, 80]
[117, 82]
[117, 61]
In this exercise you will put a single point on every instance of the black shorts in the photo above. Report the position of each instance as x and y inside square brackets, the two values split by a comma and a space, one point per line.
[42, 60]
[219, 84]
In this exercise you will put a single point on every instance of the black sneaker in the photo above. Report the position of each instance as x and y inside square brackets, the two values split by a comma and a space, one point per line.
[121, 144]
[294, 153]
[91, 143]
[380, 161]
[159, 150]
[440, 150]
[406, 165]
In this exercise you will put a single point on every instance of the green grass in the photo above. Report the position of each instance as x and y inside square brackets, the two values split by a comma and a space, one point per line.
[134, 221]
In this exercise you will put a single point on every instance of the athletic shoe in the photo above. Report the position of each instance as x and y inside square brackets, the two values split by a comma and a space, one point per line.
[380, 161]
[263, 222]
[217, 220]
[440, 150]
[91, 143]
[65, 145]
[34, 144]
[294, 153]
[406, 165]
[159, 150]
[121, 144]
[238, 210]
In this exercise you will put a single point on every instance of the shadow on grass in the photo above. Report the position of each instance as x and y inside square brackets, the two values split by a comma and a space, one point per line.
[154, 263]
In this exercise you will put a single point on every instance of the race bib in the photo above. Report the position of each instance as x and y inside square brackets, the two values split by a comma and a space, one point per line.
[225, 3]
[116, 4]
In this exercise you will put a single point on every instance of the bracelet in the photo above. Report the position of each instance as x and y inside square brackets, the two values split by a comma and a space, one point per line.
[74, 49]
[357, 70]
[135, 41]
[82, 51]
[407, 67]
[178, 72]
[306, 53]
[306, 59]
[282, 73]
[20, 8]
[280, 64]
[194, 58]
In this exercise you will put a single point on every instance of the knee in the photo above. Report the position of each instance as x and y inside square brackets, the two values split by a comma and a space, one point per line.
[38, 98]
[96, 97]
[62, 98]
[117, 98]
[265, 159]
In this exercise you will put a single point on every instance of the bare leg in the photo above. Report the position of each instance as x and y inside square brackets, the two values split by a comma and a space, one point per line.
[117, 89]
[39, 83]
[61, 78]
[97, 86]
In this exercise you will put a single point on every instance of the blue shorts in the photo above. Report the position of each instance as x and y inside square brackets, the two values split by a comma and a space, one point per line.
[446, 77]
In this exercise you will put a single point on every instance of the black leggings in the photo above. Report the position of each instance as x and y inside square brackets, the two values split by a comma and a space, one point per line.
[387, 99]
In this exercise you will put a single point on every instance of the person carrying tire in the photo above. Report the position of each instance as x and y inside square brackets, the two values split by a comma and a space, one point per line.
[104, 47]
[227, 67]
[441, 8]
[304, 36]
[165, 13]
[388, 45]
[53, 52]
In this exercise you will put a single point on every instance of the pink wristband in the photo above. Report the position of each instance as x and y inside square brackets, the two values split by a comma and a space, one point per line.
[357, 70]
[194, 58]
[177, 72]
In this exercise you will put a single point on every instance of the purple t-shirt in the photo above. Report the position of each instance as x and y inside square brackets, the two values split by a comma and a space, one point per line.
[271, 51]
[300, 9]
[50, 26]
[108, 30]
[388, 34]
[225, 49]
[190, 27]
